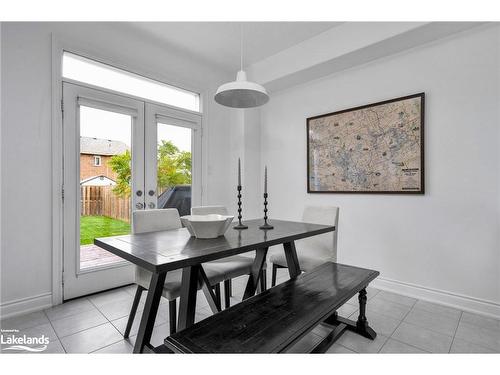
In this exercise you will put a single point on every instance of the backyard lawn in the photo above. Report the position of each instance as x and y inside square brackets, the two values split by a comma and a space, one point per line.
[100, 226]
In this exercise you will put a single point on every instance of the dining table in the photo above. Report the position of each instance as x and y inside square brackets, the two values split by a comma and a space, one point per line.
[165, 251]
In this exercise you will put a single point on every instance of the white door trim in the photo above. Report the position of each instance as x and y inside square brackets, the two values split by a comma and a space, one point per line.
[60, 44]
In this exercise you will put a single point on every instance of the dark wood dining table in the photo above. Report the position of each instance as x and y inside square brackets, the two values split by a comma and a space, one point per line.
[165, 251]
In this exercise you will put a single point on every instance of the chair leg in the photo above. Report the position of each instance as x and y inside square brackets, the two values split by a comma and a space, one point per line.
[263, 280]
[133, 310]
[172, 315]
[217, 293]
[273, 277]
[227, 293]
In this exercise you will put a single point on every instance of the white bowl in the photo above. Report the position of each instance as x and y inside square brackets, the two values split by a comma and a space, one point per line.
[207, 226]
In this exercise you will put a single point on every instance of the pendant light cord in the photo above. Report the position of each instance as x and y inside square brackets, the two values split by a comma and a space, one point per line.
[241, 46]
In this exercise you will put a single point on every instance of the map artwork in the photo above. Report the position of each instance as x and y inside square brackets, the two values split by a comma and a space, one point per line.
[376, 148]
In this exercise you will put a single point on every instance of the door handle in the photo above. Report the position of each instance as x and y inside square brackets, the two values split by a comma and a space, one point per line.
[139, 206]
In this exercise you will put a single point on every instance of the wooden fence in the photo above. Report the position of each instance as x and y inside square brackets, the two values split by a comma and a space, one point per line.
[101, 201]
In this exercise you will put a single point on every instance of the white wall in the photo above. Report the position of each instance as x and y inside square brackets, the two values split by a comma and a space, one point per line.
[446, 243]
[26, 253]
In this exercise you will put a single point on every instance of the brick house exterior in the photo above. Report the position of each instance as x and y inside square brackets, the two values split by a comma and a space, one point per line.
[95, 154]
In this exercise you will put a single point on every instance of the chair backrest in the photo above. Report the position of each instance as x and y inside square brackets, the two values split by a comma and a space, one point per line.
[207, 210]
[144, 221]
[324, 245]
[155, 220]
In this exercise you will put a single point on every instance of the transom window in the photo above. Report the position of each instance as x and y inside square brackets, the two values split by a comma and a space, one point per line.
[98, 74]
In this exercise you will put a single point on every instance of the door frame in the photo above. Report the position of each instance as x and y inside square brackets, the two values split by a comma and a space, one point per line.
[60, 44]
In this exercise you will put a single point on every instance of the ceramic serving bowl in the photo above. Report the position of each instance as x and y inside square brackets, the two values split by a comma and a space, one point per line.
[207, 226]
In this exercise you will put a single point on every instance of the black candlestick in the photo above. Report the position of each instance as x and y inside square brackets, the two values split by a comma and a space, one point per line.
[266, 225]
[240, 225]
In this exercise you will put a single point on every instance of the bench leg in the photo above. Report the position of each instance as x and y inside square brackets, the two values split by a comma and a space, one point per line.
[172, 315]
[362, 324]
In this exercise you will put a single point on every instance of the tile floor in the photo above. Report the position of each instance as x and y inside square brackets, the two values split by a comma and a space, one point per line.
[95, 324]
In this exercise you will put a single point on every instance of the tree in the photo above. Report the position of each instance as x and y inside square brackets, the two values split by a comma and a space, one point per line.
[120, 164]
[174, 168]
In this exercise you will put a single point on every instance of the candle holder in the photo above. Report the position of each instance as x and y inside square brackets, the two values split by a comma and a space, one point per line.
[266, 225]
[240, 225]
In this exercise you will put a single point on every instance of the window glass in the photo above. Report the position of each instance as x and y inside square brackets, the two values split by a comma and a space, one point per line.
[92, 72]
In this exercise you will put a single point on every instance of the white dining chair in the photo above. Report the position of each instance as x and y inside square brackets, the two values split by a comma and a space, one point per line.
[232, 267]
[316, 250]
[158, 220]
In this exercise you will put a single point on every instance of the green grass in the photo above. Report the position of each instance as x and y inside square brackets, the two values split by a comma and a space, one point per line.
[100, 226]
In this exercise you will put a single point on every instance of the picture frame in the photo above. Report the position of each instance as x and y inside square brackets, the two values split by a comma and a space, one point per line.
[377, 148]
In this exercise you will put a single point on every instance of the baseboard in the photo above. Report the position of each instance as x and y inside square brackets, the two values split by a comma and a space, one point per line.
[458, 301]
[25, 305]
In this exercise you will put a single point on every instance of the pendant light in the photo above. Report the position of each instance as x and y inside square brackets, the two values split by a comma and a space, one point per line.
[241, 93]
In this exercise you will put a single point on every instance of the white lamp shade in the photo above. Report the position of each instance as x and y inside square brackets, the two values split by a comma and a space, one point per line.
[241, 93]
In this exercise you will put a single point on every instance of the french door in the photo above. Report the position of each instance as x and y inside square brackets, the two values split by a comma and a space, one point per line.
[120, 154]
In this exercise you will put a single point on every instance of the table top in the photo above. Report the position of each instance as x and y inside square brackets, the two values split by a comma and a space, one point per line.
[173, 249]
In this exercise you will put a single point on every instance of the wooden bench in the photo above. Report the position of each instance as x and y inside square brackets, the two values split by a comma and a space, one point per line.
[276, 319]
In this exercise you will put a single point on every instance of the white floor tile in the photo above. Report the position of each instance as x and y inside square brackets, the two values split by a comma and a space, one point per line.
[121, 323]
[91, 339]
[66, 309]
[462, 346]
[79, 322]
[488, 337]
[438, 322]
[339, 349]
[390, 309]
[423, 338]
[116, 295]
[120, 347]
[393, 346]
[438, 309]
[396, 298]
[361, 344]
[480, 321]
[25, 321]
[118, 309]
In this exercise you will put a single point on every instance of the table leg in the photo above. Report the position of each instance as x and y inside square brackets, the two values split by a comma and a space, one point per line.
[212, 299]
[292, 260]
[150, 309]
[189, 289]
[253, 279]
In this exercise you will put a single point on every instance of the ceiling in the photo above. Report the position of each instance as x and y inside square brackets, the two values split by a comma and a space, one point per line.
[218, 43]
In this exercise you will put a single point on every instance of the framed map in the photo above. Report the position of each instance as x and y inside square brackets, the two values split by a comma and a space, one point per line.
[376, 148]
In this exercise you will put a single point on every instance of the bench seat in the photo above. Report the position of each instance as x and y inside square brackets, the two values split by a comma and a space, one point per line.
[274, 320]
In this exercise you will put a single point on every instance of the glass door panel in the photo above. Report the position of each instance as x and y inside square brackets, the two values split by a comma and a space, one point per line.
[174, 164]
[103, 180]
[172, 159]
[105, 176]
